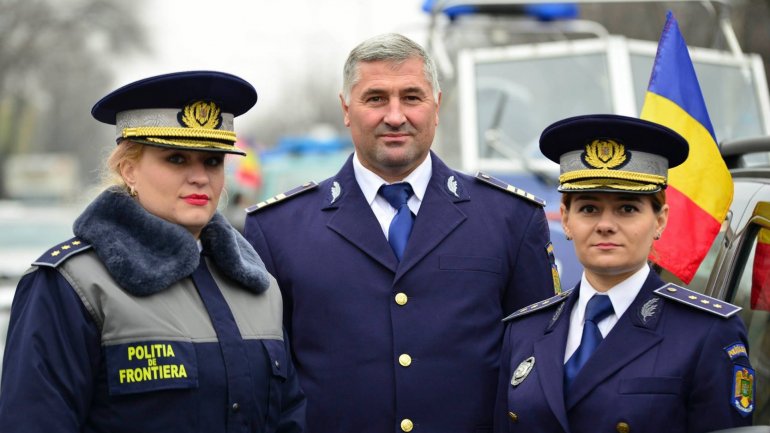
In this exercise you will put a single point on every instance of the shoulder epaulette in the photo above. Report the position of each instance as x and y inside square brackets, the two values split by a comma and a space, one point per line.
[489, 180]
[61, 252]
[697, 300]
[282, 196]
[537, 306]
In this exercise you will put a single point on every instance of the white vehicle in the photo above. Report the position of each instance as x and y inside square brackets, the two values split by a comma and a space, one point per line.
[508, 69]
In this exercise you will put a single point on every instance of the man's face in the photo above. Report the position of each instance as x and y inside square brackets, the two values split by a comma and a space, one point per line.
[392, 116]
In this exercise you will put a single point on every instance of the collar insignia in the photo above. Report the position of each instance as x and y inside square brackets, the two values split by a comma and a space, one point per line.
[522, 371]
[605, 154]
[200, 115]
[556, 314]
[336, 190]
[451, 184]
[649, 309]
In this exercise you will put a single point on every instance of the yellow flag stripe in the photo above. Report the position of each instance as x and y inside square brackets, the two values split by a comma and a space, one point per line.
[703, 177]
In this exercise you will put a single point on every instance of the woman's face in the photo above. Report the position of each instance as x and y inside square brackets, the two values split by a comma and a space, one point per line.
[612, 232]
[180, 186]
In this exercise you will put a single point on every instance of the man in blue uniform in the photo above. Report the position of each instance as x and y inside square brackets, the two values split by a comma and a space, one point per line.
[397, 271]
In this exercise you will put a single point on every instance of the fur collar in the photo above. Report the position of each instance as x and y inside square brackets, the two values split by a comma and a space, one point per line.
[145, 254]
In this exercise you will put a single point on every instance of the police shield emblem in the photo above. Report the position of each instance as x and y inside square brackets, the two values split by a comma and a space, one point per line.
[522, 371]
[743, 390]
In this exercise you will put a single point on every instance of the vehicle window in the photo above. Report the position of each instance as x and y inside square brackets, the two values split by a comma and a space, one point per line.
[729, 89]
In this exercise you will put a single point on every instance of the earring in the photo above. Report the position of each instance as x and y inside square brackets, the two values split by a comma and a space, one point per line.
[568, 237]
[657, 236]
[131, 191]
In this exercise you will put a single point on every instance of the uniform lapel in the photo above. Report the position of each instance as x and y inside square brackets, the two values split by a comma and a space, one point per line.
[353, 218]
[627, 340]
[438, 215]
[549, 356]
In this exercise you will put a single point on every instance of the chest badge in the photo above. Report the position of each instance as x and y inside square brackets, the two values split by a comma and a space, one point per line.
[522, 371]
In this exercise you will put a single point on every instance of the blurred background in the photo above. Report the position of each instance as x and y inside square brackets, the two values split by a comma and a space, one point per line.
[58, 57]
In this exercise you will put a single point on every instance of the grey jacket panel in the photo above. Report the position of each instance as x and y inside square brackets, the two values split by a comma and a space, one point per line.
[176, 313]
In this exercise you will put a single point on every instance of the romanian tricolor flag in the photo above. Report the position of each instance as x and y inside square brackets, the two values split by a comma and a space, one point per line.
[701, 189]
[248, 172]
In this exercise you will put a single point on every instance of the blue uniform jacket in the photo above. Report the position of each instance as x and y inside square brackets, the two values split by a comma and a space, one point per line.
[131, 331]
[664, 367]
[383, 346]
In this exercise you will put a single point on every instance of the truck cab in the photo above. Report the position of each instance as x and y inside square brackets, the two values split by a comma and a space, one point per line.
[508, 69]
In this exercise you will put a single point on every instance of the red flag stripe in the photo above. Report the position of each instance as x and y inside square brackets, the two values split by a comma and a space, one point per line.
[692, 223]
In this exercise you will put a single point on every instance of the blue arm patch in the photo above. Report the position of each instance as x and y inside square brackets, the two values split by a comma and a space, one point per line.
[58, 254]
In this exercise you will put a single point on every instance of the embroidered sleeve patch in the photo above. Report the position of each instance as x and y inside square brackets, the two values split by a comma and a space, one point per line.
[736, 350]
[743, 390]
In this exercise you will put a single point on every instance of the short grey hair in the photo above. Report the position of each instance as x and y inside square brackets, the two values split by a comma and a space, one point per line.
[389, 47]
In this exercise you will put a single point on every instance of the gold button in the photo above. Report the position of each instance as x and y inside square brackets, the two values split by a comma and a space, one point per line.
[405, 360]
[407, 425]
[513, 417]
[401, 298]
[623, 427]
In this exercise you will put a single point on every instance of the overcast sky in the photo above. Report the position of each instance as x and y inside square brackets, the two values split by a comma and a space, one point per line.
[266, 41]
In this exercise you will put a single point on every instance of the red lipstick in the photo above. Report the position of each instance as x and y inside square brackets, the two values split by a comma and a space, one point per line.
[197, 199]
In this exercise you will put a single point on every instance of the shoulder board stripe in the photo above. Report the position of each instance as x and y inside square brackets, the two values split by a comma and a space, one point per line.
[282, 196]
[58, 254]
[697, 300]
[489, 180]
[537, 306]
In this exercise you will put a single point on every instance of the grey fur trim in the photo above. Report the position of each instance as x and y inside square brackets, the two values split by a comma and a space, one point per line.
[145, 254]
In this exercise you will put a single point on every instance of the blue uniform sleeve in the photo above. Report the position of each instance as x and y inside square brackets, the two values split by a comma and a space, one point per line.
[252, 231]
[294, 404]
[51, 358]
[531, 279]
[713, 403]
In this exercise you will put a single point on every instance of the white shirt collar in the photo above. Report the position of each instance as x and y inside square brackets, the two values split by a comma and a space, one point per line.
[370, 183]
[621, 295]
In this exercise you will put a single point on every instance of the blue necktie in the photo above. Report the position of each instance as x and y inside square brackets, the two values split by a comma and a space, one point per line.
[401, 226]
[598, 307]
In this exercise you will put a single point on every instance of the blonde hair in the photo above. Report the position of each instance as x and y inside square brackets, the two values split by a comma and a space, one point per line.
[125, 151]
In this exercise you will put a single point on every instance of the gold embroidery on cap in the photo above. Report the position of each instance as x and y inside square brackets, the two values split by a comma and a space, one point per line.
[201, 115]
[605, 154]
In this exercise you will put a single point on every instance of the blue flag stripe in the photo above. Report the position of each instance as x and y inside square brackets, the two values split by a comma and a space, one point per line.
[673, 75]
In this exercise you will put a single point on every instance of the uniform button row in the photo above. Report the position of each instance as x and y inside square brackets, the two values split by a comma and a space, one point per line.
[405, 360]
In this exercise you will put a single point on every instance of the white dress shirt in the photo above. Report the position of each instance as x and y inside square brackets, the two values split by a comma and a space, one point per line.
[370, 184]
[621, 297]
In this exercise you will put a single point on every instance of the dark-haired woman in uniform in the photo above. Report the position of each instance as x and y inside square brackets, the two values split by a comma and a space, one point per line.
[623, 351]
